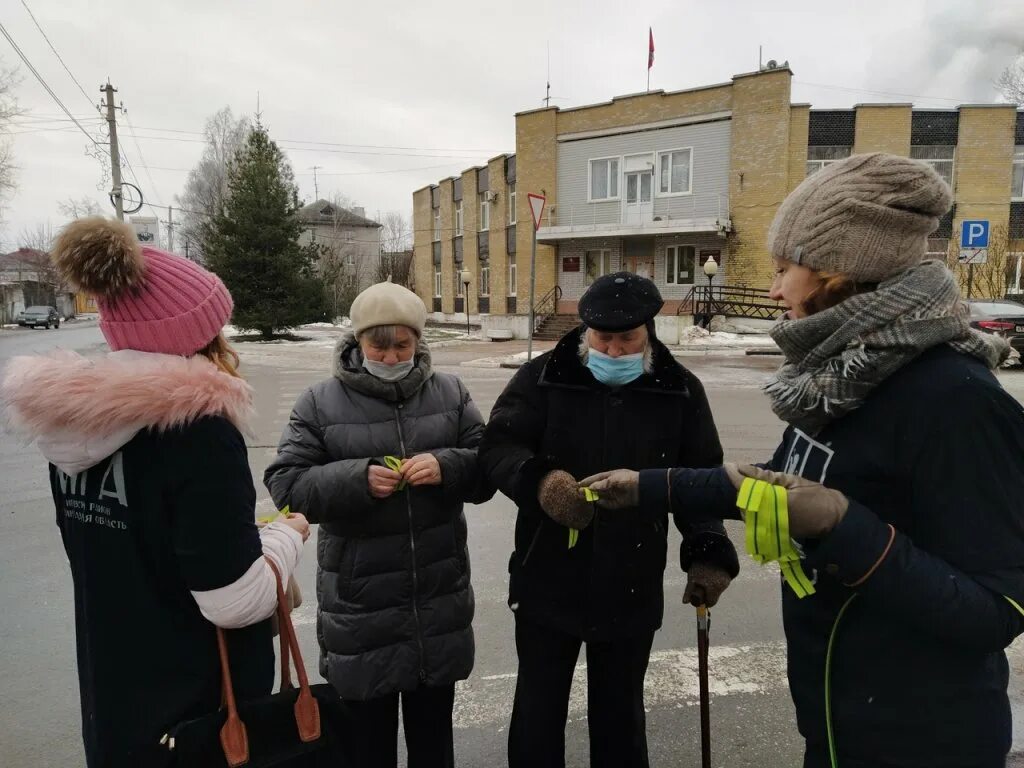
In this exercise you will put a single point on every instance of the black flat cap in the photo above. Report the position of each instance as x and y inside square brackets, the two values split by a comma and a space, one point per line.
[620, 302]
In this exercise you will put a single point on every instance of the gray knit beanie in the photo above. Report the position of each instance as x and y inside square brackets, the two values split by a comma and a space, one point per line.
[867, 217]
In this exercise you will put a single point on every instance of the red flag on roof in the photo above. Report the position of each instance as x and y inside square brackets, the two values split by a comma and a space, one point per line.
[650, 48]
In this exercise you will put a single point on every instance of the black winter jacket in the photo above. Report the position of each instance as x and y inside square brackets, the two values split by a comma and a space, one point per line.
[933, 462]
[555, 415]
[395, 601]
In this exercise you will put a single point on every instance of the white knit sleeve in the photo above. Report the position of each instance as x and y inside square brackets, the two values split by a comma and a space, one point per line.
[253, 597]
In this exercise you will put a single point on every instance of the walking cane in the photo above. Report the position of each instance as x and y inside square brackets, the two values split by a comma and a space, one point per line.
[703, 624]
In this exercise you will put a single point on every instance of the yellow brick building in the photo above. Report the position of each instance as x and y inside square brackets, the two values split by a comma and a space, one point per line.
[659, 183]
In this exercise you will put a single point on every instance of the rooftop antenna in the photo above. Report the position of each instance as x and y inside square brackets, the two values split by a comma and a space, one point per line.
[547, 93]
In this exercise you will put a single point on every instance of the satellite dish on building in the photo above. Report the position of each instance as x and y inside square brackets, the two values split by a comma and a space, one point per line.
[772, 64]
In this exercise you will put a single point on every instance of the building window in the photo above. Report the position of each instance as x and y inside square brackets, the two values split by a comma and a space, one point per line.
[512, 282]
[1017, 188]
[938, 156]
[820, 156]
[598, 263]
[485, 212]
[511, 203]
[674, 172]
[604, 179]
[350, 258]
[437, 282]
[680, 264]
[458, 218]
[437, 224]
[485, 279]
[1014, 266]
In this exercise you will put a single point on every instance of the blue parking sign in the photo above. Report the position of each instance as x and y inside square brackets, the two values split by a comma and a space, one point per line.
[974, 234]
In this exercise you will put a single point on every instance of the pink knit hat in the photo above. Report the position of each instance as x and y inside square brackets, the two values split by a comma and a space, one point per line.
[149, 300]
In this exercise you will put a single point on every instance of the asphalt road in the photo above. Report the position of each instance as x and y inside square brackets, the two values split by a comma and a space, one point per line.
[752, 714]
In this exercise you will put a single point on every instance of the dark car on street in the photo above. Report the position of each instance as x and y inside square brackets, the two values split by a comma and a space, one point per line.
[1000, 317]
[39, 317]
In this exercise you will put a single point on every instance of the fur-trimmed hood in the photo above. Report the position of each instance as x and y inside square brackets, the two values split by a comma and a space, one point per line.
[83, 409]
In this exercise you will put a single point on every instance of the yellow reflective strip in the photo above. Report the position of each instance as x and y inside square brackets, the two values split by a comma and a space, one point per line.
[574, 536]
[749, 517]
[589, 495]
[1014, 603]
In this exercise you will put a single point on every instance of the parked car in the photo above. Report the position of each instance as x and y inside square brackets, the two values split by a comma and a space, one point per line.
[1000, 317]
[36, 317]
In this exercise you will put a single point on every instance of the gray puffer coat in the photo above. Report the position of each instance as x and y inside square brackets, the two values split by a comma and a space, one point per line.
[393, 583]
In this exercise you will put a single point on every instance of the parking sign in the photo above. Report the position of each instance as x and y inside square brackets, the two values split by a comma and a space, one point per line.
[974, 234]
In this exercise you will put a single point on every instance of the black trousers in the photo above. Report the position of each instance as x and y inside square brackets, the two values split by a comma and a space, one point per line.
[615, 699]
[426, 717]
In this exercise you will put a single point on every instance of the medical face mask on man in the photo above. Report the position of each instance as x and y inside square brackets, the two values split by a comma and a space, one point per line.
[615, 371]
[386, 372]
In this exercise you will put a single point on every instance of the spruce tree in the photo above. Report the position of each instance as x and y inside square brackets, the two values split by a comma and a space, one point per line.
[253, 242]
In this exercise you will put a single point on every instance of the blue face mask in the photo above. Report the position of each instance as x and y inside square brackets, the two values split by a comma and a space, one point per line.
[615, 371]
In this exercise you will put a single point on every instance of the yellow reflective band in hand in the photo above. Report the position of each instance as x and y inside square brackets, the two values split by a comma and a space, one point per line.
[574, 536]
[395, 464]
[267, 519]
[766, 515]
[589, 495]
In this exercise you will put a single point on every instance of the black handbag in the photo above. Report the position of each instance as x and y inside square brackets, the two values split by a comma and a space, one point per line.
[296, 727]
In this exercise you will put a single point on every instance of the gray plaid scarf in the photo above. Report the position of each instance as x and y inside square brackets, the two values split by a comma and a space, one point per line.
[835, 358]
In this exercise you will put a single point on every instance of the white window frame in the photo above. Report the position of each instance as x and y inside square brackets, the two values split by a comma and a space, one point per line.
[1017, 183]
[485, 212]
[657, 171]
[932, 161]
[437, 225]
[458, 218]
[672, 256]
[512, 275]
[438, 281]
[817, 163]
[512, 203]
[616, 177]
[485, 279]
[1016, 259]
[605, 258]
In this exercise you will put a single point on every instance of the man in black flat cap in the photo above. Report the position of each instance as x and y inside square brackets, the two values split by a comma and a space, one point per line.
[609, 395]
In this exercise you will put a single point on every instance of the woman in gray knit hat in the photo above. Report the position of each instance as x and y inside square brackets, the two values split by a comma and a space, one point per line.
[904, 470]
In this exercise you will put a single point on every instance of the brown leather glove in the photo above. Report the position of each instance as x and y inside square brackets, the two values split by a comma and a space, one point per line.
[617, 489]
[814, 510]
[705, 584]
[563, 502]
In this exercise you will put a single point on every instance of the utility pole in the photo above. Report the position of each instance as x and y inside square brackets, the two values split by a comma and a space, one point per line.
[316, 187]
[170, 229]
[115, 154]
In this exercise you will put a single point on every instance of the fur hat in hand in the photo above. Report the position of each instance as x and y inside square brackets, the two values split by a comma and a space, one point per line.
[867, 217]
[149, 300]
[387, 304]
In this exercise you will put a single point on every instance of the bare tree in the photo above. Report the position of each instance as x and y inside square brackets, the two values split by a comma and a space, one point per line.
[33, 255]
[8, 110]
[78, 207]
[207, 185]
[992, 279]
[1011, 82]
[396, 234]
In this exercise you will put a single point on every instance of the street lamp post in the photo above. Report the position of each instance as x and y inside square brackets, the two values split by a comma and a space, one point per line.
[710, 269]
[467, 277]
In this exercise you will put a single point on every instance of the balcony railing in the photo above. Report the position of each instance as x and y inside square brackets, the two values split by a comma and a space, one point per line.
[691, 209]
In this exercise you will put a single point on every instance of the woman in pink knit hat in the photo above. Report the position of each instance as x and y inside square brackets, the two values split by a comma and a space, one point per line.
[154, 497]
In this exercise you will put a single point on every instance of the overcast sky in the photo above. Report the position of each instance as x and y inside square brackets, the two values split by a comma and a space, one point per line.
[402, 93]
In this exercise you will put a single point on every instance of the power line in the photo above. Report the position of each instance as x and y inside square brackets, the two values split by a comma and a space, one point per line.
[42, 82]
[47, 39]
[142, 158]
